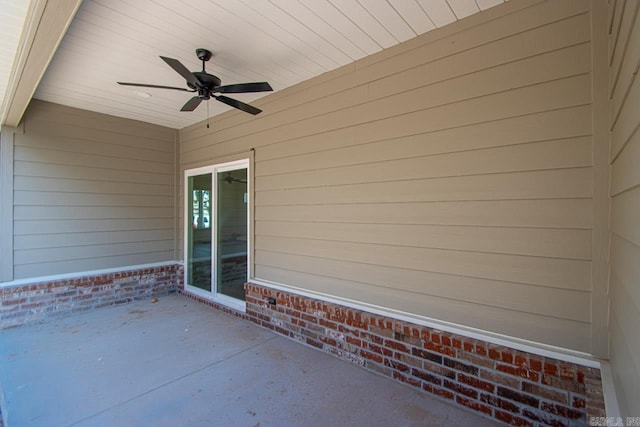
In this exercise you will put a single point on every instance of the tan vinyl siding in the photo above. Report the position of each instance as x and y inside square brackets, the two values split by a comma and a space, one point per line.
[447, 177]
[624, 92]
[90, 192]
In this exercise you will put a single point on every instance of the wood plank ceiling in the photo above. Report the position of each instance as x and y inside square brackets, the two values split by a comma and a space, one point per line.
[283, 42]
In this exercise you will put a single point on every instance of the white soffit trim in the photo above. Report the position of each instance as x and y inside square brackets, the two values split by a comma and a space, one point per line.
[45, 25]
[12, 19]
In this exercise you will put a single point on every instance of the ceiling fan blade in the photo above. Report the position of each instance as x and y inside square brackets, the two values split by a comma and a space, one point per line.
[154, 86]
[243, 88]
[182, 70]
[238, 104]
[191, 104]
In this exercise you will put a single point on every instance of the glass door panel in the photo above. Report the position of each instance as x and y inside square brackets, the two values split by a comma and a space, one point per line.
[199, 231]
[231, 232]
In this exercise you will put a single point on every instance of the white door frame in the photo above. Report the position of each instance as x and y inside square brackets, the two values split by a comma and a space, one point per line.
[214, 170]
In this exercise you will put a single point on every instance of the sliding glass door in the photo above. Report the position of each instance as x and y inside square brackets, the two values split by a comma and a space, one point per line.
[217, 232]
[231, 231]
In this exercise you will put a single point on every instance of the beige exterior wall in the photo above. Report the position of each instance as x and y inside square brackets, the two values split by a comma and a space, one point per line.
[624, 92]
[91, 192]
[448, 177]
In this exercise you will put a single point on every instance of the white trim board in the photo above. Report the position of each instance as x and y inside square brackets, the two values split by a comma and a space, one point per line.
[609, 390]
[540, 349]
[214, 170]
[7, 136]
[231, 303]
[53, 278]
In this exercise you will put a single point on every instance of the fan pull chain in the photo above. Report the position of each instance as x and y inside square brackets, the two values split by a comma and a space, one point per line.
[208, 113]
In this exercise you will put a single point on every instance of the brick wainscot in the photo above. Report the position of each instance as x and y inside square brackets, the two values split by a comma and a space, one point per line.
[31, 302]
[512, 386]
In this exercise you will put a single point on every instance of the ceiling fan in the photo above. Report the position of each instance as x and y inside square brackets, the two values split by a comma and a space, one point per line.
[230, 179]
[207, 85]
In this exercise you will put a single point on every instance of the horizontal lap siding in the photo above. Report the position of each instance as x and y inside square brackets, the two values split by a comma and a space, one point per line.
[448, 177]
[91, 192]
[624, 92]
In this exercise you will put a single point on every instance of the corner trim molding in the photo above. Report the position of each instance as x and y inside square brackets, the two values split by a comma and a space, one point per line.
[600, 179]
[609, 390]
[7, 136]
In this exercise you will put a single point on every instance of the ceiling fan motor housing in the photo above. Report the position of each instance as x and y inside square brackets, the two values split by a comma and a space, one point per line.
[203, 54]
[209, 81]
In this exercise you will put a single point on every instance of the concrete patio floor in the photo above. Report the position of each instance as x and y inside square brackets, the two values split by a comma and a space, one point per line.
[181, 363]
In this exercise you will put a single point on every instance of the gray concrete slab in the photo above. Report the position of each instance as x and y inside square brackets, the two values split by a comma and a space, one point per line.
[180, 363]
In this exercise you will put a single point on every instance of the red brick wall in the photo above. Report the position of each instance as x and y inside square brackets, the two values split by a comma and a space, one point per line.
[512, 386]
[29, 303]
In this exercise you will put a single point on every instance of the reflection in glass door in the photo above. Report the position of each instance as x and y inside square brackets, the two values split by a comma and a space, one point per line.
[216, 235]
[199, 236]
[231, 232]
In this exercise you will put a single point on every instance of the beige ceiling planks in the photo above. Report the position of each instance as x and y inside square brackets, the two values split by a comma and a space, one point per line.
[302, 36]
[486, 4]
[439, 12]
[341, 23]
[412, 15]
[361, 17]
[463, 8]
[284, 42]
[320, 26]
